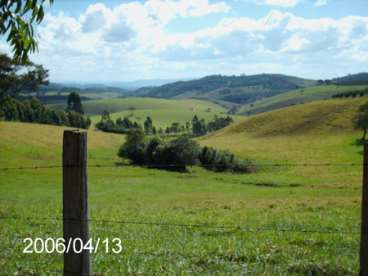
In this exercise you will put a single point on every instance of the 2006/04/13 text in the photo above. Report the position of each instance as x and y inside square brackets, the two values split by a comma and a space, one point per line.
[59, 245]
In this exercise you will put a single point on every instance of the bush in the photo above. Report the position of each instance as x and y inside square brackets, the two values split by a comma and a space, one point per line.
[134, 148]
[217, 160]
[178, 153]
[155, 153]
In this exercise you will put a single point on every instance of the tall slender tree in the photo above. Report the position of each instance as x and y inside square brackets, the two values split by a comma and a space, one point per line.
[75, 103]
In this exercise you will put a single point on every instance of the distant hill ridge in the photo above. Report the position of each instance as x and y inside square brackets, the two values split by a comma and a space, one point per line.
[235, 89]
[242, 89]
[355, 79]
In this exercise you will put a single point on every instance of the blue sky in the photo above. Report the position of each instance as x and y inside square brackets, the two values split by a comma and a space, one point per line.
[116, 40]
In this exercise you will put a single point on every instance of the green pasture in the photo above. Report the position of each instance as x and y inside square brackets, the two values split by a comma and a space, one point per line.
[290, 219]
[163, 112]
[300, 96]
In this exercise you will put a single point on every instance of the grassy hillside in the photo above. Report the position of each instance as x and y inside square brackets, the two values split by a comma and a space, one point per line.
[235, 89]
[163, 112]
[297, 97]
[33, 144]
[304, 133]
[142, 103]
[283, 220]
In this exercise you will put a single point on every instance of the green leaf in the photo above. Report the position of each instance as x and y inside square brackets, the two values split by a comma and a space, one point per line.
[40, 14]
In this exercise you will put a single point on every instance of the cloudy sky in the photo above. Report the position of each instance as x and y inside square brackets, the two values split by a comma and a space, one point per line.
[162, 39]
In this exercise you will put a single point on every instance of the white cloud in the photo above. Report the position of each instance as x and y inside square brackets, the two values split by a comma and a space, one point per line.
[131, 40]
[320, 3]
[280, 3]
[295, 43]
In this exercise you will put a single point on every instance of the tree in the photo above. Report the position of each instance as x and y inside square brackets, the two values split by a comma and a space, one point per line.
[16, 22]
[362, 120]
[153, 150]
[219, 122]
[105, 115]
[106, 124]
[187, 127]
[179, 153]
[74, 103]
[218, 160]
[198, 126]
[16, 77]
[134, 147]
[148, 126]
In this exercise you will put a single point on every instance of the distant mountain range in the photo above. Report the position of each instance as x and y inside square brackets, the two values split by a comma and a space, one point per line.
[228, 90]
[126, 85]
[241, 89]
[235, 89]
[132, 85]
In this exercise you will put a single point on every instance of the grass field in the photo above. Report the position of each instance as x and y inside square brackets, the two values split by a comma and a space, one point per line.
[163, 112]
[290, 219]
[295, 97]
[141, 103]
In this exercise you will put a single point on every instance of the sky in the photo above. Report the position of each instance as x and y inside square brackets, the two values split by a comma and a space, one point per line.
[113, 41]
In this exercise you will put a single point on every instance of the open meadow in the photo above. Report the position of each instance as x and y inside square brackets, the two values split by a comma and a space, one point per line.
[298, 214]
[300, 96]
[162, 111]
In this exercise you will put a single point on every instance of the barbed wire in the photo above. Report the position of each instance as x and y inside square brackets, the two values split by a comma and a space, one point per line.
[152, 166]
[239, 228]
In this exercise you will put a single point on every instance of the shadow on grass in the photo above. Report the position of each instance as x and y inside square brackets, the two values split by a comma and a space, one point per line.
[169, 168]
[359, 143]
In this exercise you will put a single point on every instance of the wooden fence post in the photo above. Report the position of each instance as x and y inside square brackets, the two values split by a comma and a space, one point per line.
[75, 202]
[364, 223]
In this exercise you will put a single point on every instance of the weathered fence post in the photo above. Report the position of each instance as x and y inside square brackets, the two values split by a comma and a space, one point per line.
[364, 224]
[75, 202]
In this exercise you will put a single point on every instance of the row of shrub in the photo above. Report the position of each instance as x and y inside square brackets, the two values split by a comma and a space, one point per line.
[195, 127]
[221, 160]
[120, 125]
[352, 94]
[33, 110]
[177, 154]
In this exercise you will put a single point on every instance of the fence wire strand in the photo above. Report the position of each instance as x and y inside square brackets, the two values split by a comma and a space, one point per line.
[153, 166]
[236, 228]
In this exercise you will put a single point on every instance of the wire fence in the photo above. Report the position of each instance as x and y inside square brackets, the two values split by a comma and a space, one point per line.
[237, 228]
[240, 228]
[117, 165]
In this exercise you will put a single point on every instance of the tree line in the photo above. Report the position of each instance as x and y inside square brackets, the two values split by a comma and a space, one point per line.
[33, 111]
[195, 127]
[351, 94]
[176, 154]
[120, 125]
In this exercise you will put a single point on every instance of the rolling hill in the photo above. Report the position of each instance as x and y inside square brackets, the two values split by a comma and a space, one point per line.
[320, 117]
[320, 131]
[295, 97]
[235, 89]
[354, 79]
